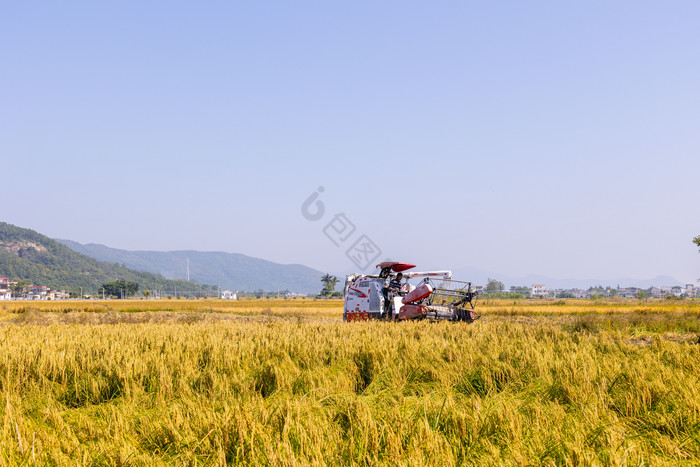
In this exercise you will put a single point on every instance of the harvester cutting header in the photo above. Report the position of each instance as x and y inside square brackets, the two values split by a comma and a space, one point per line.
[390, 295]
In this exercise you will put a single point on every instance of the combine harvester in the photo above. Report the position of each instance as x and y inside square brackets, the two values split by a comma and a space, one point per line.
[389, 295]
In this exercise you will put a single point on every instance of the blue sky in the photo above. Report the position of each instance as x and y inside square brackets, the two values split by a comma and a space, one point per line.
[558, 138]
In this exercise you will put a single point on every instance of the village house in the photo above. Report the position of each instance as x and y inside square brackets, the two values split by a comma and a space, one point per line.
[37, 292]
[664, 291]
[294, 295]
[690, 290]
[579, 293]
[5, 292]
[627, 292]
[228, 295]
[60, 295]
[539, 290]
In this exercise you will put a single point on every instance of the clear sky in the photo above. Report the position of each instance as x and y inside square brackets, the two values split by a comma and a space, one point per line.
[559, 138]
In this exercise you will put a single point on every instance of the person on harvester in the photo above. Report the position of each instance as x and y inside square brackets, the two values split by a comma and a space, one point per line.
[392, 291]
[395, 285]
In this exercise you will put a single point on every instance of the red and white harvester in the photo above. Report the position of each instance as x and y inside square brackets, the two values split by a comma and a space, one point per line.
[436, 296]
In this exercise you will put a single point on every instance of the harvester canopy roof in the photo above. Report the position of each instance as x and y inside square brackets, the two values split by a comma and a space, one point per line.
[396, 266]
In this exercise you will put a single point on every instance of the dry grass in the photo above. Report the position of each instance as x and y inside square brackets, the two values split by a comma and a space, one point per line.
[286, 382]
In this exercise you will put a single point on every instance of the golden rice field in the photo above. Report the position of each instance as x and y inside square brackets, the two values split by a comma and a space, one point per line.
[286, 382]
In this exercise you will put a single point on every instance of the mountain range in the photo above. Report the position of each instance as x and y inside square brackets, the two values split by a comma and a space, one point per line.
[478, 276]
[228, 270]
[28, 256]
[240, 272]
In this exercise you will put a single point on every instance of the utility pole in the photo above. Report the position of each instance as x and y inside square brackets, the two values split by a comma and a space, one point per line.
[188, 269]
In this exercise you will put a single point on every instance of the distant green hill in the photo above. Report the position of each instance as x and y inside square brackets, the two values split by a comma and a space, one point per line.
[30, 256]
[229, 270]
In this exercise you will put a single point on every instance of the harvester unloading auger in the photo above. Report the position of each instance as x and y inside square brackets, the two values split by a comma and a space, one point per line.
[390, 295]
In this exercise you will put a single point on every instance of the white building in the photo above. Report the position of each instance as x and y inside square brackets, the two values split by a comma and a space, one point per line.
[5, 292]
[38, 292]
[61, 295]
[539, 290]
[690, 290]
[579, 293]
[665, 290]
[228, 295]
[627, 292]
[294, 295]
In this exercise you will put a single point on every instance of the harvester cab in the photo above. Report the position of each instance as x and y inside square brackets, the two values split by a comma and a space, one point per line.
[391, 294]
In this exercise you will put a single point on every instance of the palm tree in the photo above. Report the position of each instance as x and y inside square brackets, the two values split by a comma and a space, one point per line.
[329, 283]
[333, 282]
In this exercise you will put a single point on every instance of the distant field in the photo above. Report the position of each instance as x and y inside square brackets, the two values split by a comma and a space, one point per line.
[140, 311]
[211, 382]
